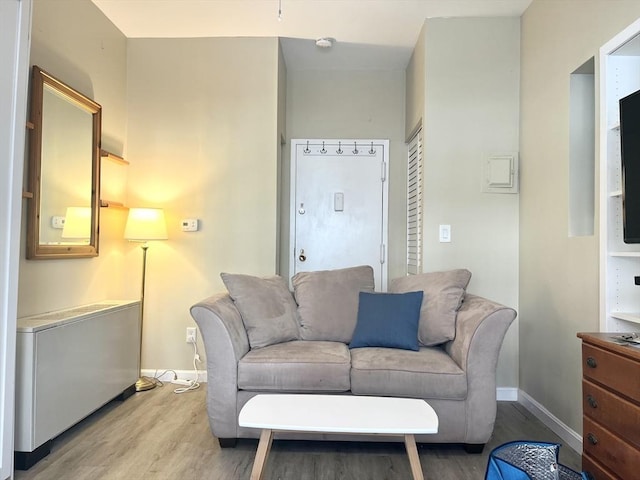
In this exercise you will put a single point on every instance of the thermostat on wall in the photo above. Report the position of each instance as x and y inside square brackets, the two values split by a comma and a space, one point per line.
[189, 225]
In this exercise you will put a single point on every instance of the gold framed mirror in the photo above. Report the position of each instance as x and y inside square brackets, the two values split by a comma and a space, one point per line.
[64, 171]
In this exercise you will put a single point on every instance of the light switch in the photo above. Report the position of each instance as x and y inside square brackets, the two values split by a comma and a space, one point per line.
[338, 201]
[445, 233]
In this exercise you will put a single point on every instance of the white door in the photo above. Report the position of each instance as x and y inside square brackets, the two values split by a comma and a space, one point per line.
[339, 205]
[15, 23]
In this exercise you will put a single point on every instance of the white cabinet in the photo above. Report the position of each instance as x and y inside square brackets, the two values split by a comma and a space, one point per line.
[619, 262]
[69, 364]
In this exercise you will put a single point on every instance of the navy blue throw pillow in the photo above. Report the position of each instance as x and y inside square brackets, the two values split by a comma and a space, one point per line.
[388, 320]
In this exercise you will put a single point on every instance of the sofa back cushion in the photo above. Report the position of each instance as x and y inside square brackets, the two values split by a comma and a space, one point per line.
[443, 295]
[328, 301]
[266, 306]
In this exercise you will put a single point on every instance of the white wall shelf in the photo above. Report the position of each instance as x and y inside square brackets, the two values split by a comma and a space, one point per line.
[113, 180]
[619, 262]
[629, 317]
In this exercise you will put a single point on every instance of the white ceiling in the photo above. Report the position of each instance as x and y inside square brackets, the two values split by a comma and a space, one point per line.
[370, 34]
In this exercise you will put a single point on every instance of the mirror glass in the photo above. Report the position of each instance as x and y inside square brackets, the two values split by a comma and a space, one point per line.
[64, 155]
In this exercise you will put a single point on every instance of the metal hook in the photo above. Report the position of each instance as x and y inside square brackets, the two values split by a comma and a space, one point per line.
[339, 150]
[301, 210]
[372, 151]
[355, 148]
[306, 150]
[323, 149]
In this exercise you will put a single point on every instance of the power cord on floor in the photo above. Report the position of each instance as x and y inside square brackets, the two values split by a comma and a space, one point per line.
[193, 384]
[157, 376]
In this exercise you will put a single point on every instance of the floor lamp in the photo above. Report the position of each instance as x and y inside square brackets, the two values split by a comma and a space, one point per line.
[144, 224]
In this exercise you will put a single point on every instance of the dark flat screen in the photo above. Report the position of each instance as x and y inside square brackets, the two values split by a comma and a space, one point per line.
[630, 150]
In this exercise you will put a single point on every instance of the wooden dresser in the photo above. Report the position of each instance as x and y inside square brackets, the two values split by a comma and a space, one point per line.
[611, 408]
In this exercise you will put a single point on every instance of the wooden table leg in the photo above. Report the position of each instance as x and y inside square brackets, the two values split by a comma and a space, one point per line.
[266, 439]
[414, 459]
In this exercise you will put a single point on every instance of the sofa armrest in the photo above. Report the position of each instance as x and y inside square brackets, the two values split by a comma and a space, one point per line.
[225, 343]
[219, 312]
[481, 325]
[472, 331]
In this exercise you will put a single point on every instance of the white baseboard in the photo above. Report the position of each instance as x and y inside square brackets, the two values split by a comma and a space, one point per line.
[507, 394]
[168, 375]
[570, 436]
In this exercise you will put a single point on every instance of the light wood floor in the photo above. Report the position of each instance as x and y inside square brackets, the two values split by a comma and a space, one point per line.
[163, 436]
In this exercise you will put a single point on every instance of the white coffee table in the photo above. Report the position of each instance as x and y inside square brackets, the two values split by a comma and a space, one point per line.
[338, 414]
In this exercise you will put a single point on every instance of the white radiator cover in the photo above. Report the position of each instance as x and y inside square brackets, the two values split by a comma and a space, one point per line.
[69, 364]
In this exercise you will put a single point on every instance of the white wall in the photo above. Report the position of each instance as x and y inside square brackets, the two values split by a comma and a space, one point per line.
[558, 273]
[356, 104]
[203, 143]
[415, 89]
[582, 154]
[73, 41]
[471, 111]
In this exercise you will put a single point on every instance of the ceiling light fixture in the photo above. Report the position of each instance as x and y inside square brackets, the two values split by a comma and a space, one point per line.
[325, 42]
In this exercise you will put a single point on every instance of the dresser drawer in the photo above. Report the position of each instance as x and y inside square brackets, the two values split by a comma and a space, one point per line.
[613, 453]
[611, 370]
[595, 470]
[619, 415]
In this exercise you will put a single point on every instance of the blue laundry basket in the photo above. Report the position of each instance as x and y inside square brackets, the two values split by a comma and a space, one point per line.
[528, 461]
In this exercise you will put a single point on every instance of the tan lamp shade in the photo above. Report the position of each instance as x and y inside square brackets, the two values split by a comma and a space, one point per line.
[145, 224]
[77, 223]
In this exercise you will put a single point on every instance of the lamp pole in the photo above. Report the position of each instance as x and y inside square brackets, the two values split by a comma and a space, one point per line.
[143, 383]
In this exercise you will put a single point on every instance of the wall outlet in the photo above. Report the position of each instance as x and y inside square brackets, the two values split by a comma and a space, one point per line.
[191, 335]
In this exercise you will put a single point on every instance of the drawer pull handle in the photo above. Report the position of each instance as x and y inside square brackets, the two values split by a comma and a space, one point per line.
[592, 401]
[591, 362]
[593, 440]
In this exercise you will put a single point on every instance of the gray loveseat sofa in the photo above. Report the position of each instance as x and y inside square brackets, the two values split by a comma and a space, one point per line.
[260, 338]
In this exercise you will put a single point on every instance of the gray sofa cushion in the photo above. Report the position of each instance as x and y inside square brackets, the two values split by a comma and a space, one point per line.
[297, 366]
[443, 295]
[328, 301]
[266, 306]
[428, 373]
